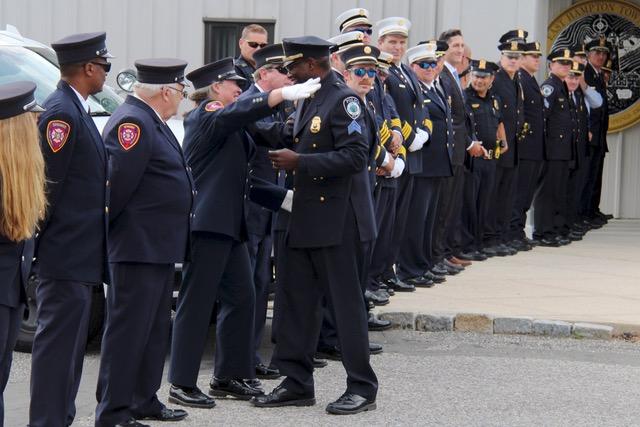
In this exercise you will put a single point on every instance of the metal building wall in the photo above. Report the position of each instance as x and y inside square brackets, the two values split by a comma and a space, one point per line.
[146, 28]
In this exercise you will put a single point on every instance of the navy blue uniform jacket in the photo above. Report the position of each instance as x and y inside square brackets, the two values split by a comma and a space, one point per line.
[151, 188]
[72, 241]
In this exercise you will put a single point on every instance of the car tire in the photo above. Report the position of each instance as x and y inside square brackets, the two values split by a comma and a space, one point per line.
[28, 325]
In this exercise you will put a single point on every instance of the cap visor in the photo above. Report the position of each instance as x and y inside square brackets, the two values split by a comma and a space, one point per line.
[234, 77]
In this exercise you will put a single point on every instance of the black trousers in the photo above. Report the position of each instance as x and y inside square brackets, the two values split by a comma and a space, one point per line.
[416, 252]
[504, 192]
[307, 276]
[448, 215]
[220, 271]
[575, 189]
[403, 201]
[259, 248]
[527, 184]
[550, 204]
[135, 341]
[469, 219]
[384, 204]
[484, 173]
[64, 308]
[593, 186]
[10, 318]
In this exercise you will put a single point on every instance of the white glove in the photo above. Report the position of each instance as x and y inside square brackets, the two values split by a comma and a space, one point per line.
[301, 90]
[287, 203]
[398, 168]
[419, 140]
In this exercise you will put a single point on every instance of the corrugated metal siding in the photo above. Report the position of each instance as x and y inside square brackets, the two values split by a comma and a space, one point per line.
[146, 28]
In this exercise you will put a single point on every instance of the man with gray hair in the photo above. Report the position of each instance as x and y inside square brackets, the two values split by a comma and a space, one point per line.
[152, 195]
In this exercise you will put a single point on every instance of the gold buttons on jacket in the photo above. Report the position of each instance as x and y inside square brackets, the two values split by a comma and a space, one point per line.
[296, 140]
[322, 198]
[314, 145]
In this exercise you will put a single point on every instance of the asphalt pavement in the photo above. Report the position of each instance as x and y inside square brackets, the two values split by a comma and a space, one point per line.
[435, 379]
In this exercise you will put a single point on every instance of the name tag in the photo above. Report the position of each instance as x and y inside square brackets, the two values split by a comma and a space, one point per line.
[401, 85]
[475, 105]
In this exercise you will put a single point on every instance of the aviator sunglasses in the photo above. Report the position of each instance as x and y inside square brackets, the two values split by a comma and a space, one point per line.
[361, 72]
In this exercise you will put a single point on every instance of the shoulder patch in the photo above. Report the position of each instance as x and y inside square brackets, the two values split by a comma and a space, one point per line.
[57, 134]
[213, 106]
[352, 107]
[546, 90]
[128, 135]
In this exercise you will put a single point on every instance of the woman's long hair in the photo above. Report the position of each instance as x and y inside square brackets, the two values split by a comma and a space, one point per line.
[22, 177]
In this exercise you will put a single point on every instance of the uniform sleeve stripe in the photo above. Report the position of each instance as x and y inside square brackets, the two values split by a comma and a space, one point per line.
[396, 123]
[428, 124]
[406, 130]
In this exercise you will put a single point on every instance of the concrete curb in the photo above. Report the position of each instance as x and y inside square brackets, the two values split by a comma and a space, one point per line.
[487, 324]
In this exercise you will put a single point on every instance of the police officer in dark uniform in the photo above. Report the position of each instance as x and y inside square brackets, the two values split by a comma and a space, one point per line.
[271, 74]
[551, 201]
[530, 147]
[76, 165]
[579, 166]
[507, 87]
[330, 225]
[254, 37]
[404, 88]
[20, 210]
[597, 51]
[218, 150]
[152, 194]
[485, 106]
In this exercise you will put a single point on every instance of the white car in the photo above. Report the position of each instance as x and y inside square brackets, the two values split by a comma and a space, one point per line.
[25, 59]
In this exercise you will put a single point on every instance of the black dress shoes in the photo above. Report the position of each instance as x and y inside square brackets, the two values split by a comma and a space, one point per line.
[439, 269]
[435, 278]
[489, 251]
[331, 353]
[165, 414]
[375, 348]
[190, 396]
[574, 236]
[419, 282]
[448, 270]
[377, 297]
[549, 243]
[280, 396]
[450, 264]
[376, 324]
[219, 387]
[131, 423]
[520, 245]
[319, 363]
[508, 249]
[562, 241]
[350, 403]
[398, 285]
[267, 372]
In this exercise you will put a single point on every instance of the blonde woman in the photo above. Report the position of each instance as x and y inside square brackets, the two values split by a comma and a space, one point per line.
[22, 205]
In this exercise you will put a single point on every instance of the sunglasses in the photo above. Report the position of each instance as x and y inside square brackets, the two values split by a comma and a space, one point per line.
[106, 66]
[427, 64]
[255, 45]
[183, 92]
[281, 70]
[361, 72]
[367, 31]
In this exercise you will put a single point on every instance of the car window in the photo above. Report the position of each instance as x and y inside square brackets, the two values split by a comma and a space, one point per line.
[19, 63]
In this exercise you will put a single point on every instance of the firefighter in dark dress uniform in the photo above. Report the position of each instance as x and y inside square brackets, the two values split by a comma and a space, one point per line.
[218, 150]
[22, 205]
[78, 197]
[152, 194]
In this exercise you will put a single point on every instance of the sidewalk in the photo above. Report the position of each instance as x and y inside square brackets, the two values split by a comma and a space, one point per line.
[595, 280]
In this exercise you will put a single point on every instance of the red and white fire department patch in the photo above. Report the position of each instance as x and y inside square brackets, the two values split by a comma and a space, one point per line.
[128, 135]
[57, 134]
[213, 106]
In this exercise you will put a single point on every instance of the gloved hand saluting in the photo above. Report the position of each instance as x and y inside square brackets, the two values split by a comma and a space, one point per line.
[301, 90]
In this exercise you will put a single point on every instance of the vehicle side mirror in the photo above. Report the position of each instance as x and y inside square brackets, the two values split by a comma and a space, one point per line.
[126, 79]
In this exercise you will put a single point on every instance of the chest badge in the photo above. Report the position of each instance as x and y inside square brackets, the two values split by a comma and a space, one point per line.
[315, 124]
[128, 135]
[496, 106]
